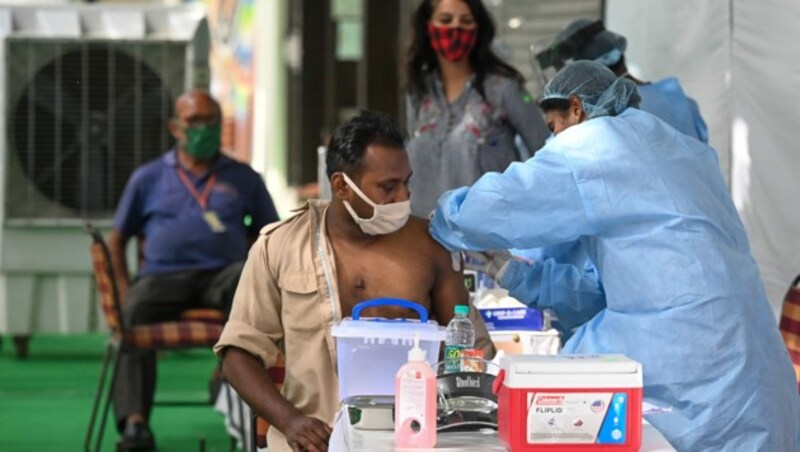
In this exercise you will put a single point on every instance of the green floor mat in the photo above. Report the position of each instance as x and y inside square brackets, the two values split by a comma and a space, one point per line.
[45, 400]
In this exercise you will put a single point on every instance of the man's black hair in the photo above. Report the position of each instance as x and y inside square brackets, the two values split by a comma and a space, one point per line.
[350, 140]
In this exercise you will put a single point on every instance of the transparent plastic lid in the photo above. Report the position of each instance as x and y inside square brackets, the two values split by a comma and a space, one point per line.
[382, 328]
[389, 329]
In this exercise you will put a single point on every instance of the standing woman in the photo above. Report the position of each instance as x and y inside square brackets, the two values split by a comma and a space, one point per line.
[464, 104]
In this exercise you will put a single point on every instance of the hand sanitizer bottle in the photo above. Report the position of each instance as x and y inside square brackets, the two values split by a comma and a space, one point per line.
[415, 402]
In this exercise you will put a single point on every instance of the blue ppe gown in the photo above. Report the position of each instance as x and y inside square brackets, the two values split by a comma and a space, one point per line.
[666, 100]
[562, 272]
[681, 290]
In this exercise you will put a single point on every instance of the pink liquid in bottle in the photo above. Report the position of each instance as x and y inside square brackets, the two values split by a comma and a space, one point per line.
[415, 402]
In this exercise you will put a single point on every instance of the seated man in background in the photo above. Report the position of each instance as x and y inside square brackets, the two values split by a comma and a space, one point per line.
[305, 274]
[197, 211]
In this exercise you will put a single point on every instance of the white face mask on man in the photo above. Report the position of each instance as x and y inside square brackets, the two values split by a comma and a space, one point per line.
[386, 218]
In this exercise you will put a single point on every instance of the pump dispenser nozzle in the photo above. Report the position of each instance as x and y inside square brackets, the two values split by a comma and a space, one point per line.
[416, 353]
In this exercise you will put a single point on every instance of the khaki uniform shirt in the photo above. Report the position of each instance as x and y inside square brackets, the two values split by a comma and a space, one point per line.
[287, 302]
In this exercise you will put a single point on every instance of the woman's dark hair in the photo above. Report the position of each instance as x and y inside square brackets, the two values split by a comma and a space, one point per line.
[561, 105]
[421, 58]
[350, 141]
[619, 66]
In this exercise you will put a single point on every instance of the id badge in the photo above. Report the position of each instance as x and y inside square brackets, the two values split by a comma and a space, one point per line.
[214, 222]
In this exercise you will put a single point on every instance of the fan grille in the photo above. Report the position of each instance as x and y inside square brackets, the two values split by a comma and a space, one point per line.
[83, 115]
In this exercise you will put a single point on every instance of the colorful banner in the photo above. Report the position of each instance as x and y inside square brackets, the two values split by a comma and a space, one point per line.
[233, 41]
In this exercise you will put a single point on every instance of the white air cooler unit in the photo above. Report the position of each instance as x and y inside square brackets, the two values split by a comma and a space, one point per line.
[86, 96]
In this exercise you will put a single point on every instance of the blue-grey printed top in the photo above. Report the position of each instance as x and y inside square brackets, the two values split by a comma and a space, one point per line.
[452, 144]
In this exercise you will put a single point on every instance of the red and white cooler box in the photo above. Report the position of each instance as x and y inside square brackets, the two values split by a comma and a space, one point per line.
[569, 403]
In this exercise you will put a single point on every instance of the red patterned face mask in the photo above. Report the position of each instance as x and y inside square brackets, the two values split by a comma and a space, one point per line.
[452, 43]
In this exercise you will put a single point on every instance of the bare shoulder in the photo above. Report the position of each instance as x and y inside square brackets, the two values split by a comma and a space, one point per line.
[417, 228]
[416, 231]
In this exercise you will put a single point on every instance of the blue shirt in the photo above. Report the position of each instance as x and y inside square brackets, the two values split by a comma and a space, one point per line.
[158, 206]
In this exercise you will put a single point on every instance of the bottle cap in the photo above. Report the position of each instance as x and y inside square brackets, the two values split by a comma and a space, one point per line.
[462, 309]
[416, 354]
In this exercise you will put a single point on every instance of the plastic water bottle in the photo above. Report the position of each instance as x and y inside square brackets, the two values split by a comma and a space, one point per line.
[460, 337]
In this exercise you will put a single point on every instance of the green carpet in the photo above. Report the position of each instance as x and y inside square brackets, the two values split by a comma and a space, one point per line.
[45, 400]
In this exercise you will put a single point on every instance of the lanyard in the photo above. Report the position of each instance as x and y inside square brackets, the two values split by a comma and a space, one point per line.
[201, 198]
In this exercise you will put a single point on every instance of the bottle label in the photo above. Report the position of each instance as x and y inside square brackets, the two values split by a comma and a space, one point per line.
[472, 360]
[413, 396]
[452, 358]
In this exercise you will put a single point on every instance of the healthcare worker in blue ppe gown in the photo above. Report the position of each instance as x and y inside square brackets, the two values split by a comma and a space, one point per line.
[675, 288]
[585, 39]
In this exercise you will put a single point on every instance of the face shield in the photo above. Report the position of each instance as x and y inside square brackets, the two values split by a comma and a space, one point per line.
[543, 70]
[549, 56]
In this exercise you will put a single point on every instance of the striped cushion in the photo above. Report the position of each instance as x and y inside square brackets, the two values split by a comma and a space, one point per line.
[174, 335]
[105, 289]
[197, 327]
[204, 315]
[278, 373]
[790, 325]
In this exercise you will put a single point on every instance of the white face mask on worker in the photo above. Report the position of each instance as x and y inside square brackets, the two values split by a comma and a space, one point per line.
[386, 218]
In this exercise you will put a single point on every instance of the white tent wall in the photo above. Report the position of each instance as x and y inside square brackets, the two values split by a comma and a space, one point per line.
[686, 39]
[766, 92]
[739, 60]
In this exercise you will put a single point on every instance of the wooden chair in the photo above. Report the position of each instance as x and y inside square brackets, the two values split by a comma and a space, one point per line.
[198, 328]
[790, 325]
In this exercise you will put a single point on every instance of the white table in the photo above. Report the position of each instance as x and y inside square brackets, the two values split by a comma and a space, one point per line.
[347, 439]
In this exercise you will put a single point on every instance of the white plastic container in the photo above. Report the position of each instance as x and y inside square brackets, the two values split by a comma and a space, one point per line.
[371, 351]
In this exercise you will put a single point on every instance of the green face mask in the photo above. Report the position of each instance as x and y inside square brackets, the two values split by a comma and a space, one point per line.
[202, 142]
